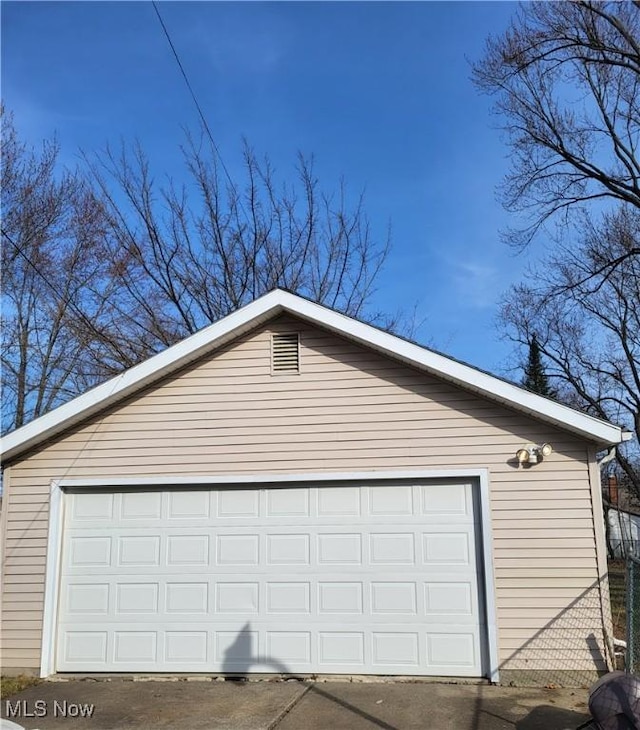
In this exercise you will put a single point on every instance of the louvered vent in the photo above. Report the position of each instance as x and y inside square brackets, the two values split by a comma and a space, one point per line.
[285, 353]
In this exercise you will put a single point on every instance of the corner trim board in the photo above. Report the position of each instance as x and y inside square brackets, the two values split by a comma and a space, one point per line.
[489, 578]
[52, 580]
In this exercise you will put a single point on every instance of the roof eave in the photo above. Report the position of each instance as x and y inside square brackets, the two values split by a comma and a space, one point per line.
[276, 302]
[600, 432]
[134, 379]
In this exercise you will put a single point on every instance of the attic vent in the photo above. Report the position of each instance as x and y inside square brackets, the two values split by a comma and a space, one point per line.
[285, 353]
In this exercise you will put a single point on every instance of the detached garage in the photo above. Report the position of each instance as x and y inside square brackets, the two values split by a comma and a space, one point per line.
[292, 491]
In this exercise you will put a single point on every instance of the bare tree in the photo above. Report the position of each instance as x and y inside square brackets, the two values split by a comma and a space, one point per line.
[566, 82]
[565, 78]
[52, 246]
[588, 325]
[100, 275]
[186, 256]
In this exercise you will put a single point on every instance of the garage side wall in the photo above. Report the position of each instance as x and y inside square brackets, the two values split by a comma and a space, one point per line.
[349, 409]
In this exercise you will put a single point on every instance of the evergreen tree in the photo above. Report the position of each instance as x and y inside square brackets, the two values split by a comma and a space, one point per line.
[535, 378]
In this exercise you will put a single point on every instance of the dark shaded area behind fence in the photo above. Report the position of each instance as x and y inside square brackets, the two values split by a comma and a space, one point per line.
[633, 615]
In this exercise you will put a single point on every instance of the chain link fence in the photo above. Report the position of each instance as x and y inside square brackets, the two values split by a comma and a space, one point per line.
[633, 615]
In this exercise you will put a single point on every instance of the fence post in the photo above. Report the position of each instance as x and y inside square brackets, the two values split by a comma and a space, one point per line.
[629, 611]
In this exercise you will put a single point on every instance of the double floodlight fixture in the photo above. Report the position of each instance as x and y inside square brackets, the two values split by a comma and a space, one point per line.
[532, 454]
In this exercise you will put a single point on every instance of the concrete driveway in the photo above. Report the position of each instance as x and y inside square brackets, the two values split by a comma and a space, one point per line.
[120, 704]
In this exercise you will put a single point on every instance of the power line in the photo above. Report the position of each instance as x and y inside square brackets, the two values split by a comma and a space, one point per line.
[205, 124]
[192, 92]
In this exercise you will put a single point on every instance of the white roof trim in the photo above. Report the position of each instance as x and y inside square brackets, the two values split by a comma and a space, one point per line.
[276, 302]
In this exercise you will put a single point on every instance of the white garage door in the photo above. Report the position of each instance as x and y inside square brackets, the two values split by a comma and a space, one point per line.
[375, 579]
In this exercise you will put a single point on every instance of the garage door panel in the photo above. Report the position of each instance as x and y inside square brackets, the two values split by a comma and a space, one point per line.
[237, 596]
[138, 551]
[83, 648]
[136, 598]
[288, 549]
[343, 502]
[393, 598]
[186, 647]
[141, 506]
[339, 648]
[238, 503]
[86, 599]
[243, 647]
[450, 599]
[452, 650]
[93, 507]
[84, 551]
[368, 579]
[179, 597]
[391, 501]
[450, 548]
[293, 503]
[446, 499]
[291, 597]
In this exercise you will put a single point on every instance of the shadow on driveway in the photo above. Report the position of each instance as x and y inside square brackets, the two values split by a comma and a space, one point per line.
[123, 704]
[424, 706]
[547, 717]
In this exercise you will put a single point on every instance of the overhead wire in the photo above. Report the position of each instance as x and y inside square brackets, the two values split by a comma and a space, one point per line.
[203, 119]
[205, 124]
[67, 300]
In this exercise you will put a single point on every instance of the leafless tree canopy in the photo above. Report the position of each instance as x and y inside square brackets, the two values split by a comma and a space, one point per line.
[53, 246]
[565, 79]
[566, 82]
[187, 255]
[588, 326]
[109, 264]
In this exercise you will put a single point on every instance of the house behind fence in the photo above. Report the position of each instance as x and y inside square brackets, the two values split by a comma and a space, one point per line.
[623, 533]
[623, 519]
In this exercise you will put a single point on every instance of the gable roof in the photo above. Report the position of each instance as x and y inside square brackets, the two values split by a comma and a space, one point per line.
[281, 302]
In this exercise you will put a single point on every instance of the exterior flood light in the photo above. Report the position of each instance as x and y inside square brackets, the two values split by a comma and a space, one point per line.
[531, 454]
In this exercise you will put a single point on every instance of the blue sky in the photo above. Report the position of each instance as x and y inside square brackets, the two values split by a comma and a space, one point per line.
[378, 92]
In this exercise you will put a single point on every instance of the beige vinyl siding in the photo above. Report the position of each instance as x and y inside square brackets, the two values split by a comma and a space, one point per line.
[349, 409]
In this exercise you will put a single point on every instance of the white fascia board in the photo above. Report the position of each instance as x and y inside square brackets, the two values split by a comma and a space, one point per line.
[137, 377]
[248, 317]
[456, 372]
